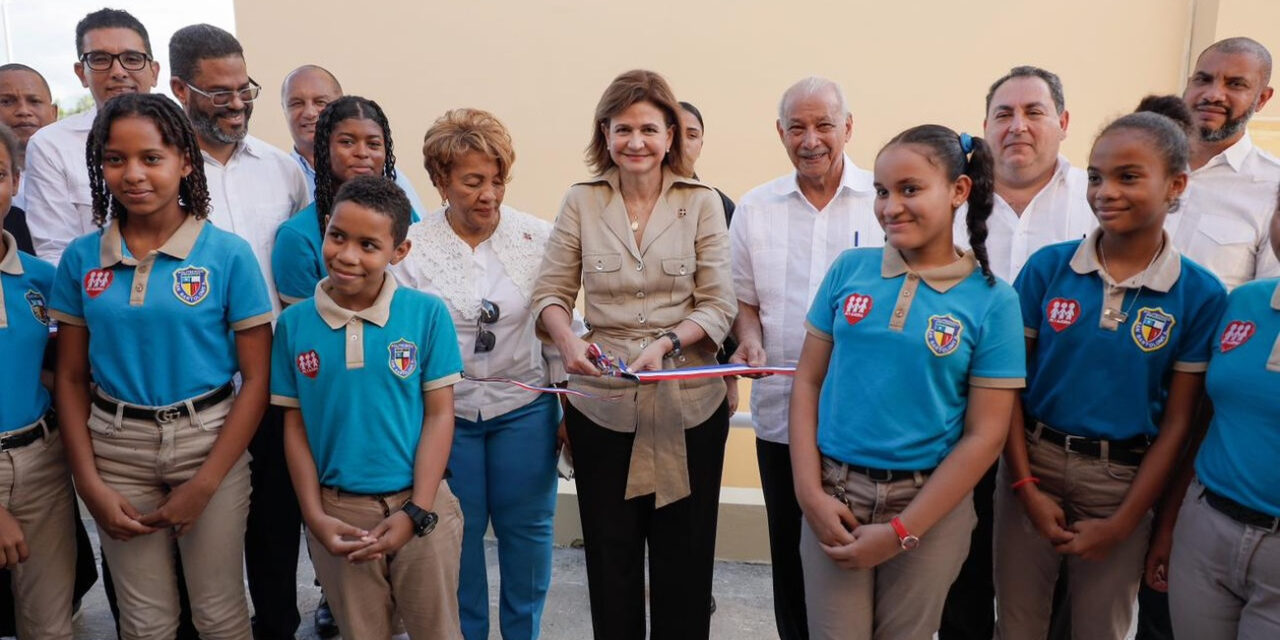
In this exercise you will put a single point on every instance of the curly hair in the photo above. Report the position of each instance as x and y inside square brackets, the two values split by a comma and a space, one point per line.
[344, 108]
[175, 131]
[459, 131]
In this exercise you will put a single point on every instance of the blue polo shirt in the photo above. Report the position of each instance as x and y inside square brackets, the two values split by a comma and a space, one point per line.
[1105, 374]
[1239, 456]
[296, 261]
[160, 327]
[359, 378]
[904, 356]
[25, 282]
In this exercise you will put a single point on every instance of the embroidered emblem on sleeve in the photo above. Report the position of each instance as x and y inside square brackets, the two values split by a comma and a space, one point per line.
[943, 334]
[35, 300]
[191, 284]
[97, 281]
[1237, 333]
[404, 357]
[309, 363]
[1152, 328]
[1062, 313]
[856, 307]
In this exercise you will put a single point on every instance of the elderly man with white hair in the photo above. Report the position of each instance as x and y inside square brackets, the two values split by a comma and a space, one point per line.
[785, 234]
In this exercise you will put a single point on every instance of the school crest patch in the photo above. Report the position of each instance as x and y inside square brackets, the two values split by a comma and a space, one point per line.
[1237, 333]
[309, 363]
[191, 284]
[97, 281]
[1152, 328]
[1062, 313]
[943, 334]
[856, 307]
[404, 357]
[35, 300]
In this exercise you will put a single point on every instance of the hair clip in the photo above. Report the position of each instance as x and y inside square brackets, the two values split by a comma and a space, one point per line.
[966, 143]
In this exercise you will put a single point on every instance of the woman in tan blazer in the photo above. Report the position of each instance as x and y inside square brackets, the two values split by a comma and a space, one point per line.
[649, 248]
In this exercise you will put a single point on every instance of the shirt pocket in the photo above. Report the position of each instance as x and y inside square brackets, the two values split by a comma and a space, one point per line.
[600, 274]
[678, 272]
[1229, 247]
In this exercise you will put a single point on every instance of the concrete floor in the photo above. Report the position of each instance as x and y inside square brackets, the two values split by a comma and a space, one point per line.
[742, 592]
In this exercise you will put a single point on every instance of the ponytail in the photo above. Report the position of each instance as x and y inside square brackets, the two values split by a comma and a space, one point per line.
[981, 170]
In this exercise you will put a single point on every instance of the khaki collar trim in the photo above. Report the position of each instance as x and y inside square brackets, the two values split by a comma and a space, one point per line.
[335, 316]
[1275, 299]
[11, 263]
[940, 279]
[1160, 276]
[179, 245]
[669, 178]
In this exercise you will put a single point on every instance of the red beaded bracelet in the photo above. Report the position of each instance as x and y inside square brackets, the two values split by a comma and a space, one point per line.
[1024, 482]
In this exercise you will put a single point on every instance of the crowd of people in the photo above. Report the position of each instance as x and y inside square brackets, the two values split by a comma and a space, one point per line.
[1016, 381]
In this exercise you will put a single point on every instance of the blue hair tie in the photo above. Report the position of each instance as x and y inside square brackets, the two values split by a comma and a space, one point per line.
[966, 143]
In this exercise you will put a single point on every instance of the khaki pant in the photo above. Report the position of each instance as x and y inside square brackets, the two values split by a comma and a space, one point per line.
[35, 487]
[899, 600]
[419, 582]
[143, 460]
[1026, 567]
[1224, 578]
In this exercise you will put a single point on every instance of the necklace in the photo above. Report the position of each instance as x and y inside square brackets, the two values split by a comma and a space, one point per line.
[1116, 315]
[635, 224]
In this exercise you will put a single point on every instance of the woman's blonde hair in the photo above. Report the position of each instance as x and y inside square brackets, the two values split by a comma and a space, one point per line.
[459, 131]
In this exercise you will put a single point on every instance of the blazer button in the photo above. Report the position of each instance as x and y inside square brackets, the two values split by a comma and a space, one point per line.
[599, 266]
[682, 270]
[639, 266]
[639, 294]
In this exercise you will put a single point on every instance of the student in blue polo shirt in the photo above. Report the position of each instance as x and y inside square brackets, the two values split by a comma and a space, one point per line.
[1118, 333]
[37, 543]
[902, 396]
[384, 530]
[1224, 581]
[163, 309]
[352, 138]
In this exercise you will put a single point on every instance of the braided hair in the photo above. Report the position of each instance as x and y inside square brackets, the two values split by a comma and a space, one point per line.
[344, 108]
[175, 131]
[962, 154]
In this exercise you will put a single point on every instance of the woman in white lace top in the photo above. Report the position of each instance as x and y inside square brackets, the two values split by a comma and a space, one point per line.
[481, 257]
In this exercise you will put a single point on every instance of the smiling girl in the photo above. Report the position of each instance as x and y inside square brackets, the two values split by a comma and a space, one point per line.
[164, 310]
[352, 138]
[884, 472]
[1118, 333]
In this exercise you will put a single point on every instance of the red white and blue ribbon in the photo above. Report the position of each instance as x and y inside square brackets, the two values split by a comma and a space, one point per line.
[615, 367]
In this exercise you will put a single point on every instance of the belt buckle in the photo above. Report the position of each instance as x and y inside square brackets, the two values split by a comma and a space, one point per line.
[167, 415]
[1066, 442]
[880, 475]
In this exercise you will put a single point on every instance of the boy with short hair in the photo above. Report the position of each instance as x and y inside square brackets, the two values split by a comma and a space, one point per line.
[366, 369]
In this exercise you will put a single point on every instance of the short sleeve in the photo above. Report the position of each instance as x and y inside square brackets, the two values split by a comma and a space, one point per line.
[294, 265]
[248, 304]
[66, 304]
[442, 365]
[820, 320]
[1030, 285]
[284, 386]
[1201, 329]
[1000, 358]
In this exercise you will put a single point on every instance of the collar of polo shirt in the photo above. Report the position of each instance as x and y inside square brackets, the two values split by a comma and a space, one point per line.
[1160, 276]
[111, 248]
[940, 279]
[11, 263]
[335, 316]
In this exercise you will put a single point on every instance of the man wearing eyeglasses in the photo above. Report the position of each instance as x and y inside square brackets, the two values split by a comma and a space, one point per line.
[253, 187]
[114, 57]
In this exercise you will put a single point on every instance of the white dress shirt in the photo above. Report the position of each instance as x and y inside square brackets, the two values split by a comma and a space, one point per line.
[257, 189]
[56, 184]
[782, 247]
[1058, 213]
[20, 197]
[443, 264]
[1226, 212]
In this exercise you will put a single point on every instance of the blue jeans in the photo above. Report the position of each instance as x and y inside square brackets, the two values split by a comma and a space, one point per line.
[504, 469]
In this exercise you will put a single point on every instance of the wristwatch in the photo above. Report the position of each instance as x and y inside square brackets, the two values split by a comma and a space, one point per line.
[675, 351]
[424, 522]
[905, 539]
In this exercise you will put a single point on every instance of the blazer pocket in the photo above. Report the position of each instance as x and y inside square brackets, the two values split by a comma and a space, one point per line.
[677, 267]
[599, 273]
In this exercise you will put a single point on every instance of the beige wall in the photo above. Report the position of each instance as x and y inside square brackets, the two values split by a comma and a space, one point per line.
[541, 65]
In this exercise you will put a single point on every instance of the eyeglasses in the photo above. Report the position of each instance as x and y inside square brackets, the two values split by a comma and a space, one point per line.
[223, 98]
[102, 61]
[489, 313]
